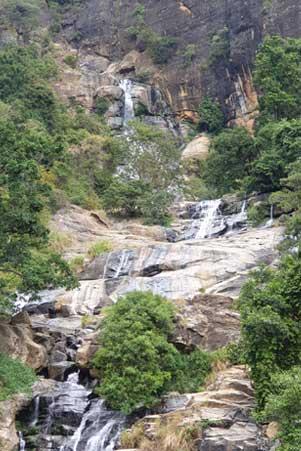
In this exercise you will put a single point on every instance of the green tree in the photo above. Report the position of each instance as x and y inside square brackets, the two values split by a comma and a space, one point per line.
[136, 361]
[284, 406]
[25, 263]
[230, 158]
[151, 171]
[212, 119]
[271, 322]
[278, 77]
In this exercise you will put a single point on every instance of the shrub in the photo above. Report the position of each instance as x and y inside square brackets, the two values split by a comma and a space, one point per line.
[137, 363]
[15, 377]
[71, 60]
[101, 247]
[284, 406]
[212, 118]
[230, 157]
[141, 110]
[77, 263]
[271, 316]
[220, 47]
[101, 106]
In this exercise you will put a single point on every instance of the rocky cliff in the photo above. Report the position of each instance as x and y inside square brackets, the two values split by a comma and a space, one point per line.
[215, 45]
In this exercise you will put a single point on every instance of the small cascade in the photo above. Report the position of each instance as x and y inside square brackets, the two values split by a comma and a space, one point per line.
[129, 112]
[270, 222]
[123, 263]
[66, 419]
[207, 221]
[22, 443]
[210, 218]
[238, 220]
[36, 410]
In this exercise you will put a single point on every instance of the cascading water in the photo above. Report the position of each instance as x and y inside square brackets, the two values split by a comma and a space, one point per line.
[129, 112]
[22, 443]
[67, 419]
[206, 220]
[270, 222]
[210, 218]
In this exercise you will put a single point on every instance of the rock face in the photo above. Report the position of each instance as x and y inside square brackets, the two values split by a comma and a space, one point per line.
[8, 435]
[181, 270]
[219, 415]
[17, 340]
[208, 322]
[103, 29]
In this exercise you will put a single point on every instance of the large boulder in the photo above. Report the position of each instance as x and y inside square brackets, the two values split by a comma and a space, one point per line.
[208, 322]
[18, 342]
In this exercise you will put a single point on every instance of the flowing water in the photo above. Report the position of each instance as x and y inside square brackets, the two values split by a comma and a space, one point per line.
[67, 419]
[129, 112]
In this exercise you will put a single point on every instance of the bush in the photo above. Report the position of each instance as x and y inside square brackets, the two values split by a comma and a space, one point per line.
[137, 363]
[101, 106]
[101, 247]
[71, 60]
[271, 317]
[231, 155]
[284, 406]
[212, 118]
[15, 377]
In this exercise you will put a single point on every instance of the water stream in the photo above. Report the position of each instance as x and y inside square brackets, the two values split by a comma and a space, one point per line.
[68, 419]
[129, 112]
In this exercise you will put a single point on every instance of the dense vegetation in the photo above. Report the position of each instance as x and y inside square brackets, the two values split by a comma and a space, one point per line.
[14, 377]
[137, 362]
[267, 156]
[270, 300]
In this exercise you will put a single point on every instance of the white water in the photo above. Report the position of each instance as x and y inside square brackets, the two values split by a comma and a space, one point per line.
[209, 214]
[129, 113]
[22, 443]
[270, 222]
[36, 411]
[95, 428]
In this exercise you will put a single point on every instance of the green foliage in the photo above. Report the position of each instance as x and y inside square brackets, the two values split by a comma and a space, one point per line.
[284, 406]
[71, 60]
[23, 15]
[15, 377]
[278, 77]
[150, 172]
[220, 47]
[212, 118]
[271, 320]
[160, 48]
[189, 54]
[257, 214]
[98, 248]
[137, 364]
[278, 145]
[230, 158]
[141, 110]
[101, 106]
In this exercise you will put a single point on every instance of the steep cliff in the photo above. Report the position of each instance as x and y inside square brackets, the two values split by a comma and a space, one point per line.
[215, 44]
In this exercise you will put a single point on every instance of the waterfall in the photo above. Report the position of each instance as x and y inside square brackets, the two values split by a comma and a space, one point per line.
[36, 410]
[22, 443]
[83, 424]
[211, 213]
[129, 113]
[270, 222]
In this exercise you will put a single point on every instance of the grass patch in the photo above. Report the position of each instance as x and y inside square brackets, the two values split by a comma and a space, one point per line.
[101, 247]
[15, 377]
